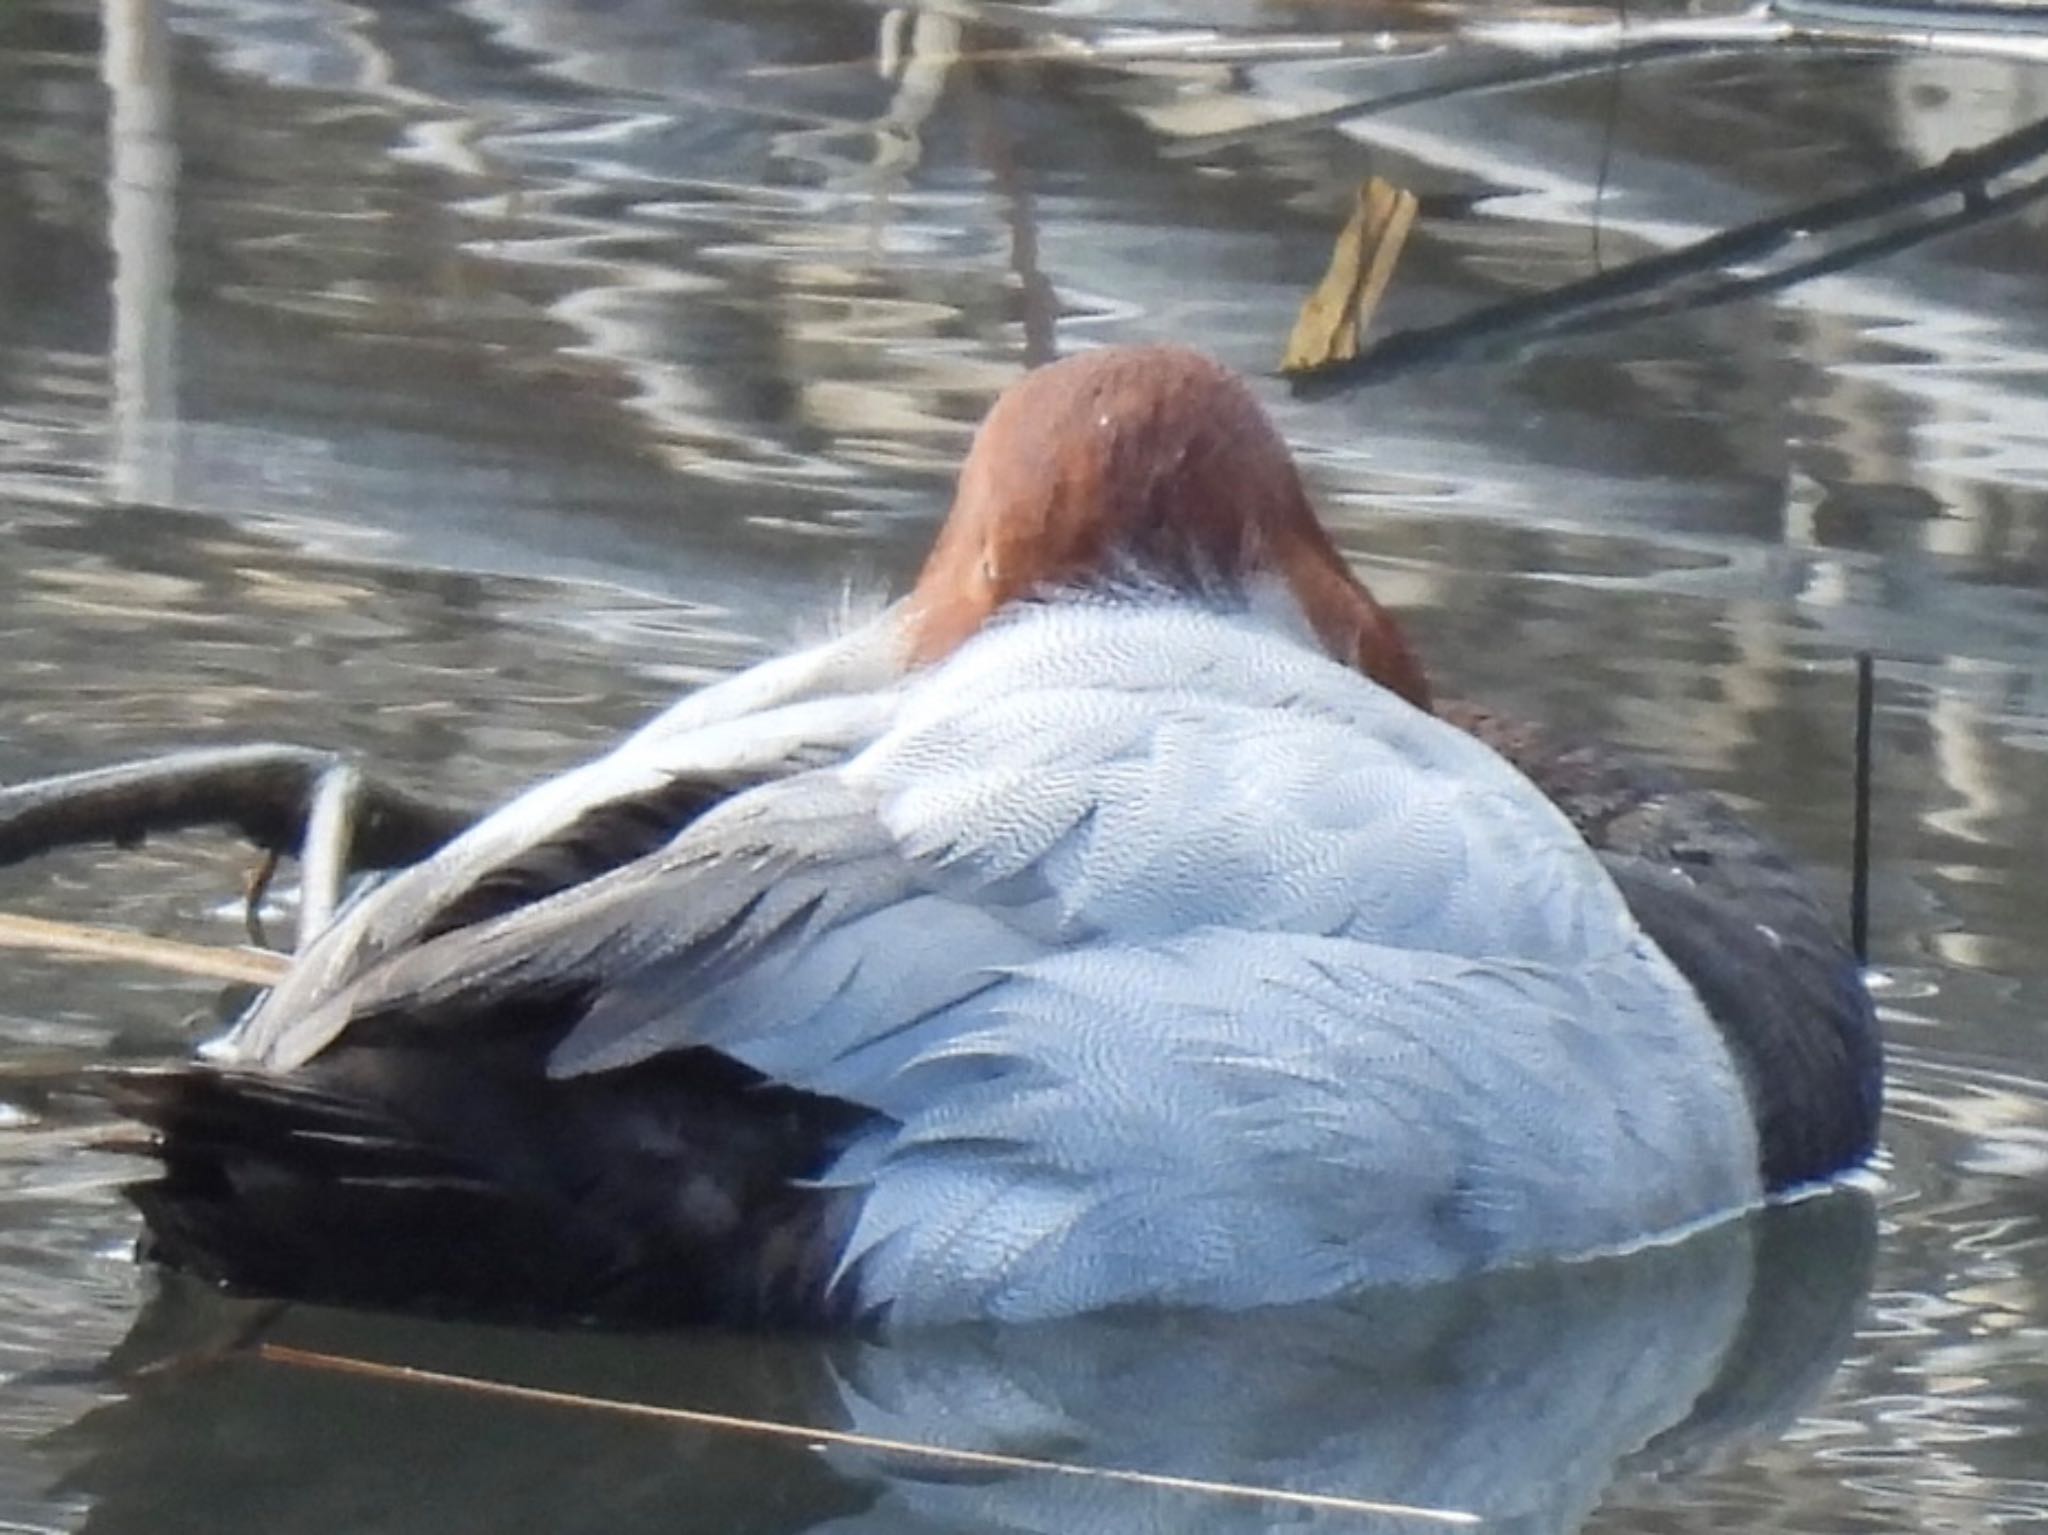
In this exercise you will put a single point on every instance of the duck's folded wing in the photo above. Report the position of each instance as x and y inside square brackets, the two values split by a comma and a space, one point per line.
[787, 929]
[560, 835]
[810, 926]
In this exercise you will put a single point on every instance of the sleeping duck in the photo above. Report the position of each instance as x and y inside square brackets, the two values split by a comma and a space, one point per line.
[1113, 920]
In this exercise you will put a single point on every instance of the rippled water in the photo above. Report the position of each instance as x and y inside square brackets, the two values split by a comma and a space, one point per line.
[453, 382]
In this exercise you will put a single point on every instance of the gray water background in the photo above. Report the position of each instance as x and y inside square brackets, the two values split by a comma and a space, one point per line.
[453, 383]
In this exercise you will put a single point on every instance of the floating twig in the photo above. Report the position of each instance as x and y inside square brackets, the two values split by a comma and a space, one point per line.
[1334, 317]
[1473, 83]
[412, 1375]
[264, 791]
[254, 889]
[255, 967]
[1615, 298]
[324, 854]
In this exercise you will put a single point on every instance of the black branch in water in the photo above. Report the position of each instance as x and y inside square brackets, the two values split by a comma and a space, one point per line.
[1694, 277]
[267, 792]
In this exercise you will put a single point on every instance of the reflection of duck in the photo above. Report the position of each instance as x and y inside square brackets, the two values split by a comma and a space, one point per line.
[1108, 921]
[1518, 1396]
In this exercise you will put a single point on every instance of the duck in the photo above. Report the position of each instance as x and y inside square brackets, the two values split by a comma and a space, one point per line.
[1114, 920]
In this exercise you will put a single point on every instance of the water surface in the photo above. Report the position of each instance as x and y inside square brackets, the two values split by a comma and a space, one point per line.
[454, 383]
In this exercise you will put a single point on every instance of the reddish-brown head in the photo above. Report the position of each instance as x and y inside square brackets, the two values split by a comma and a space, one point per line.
[1154, 459]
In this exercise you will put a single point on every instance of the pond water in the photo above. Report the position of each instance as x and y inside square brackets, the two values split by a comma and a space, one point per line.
[453, 383]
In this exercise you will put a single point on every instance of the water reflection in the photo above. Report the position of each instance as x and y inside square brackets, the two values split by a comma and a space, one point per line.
[1519, 1399]
[142, 183]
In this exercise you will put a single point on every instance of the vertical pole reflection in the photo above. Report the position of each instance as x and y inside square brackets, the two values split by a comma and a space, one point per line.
[142, 184]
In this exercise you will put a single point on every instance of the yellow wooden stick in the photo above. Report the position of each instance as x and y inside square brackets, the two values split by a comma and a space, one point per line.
[1335, 316]
[257, 967]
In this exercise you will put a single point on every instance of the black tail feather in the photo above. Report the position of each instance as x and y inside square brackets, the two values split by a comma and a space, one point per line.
[423, 1181]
